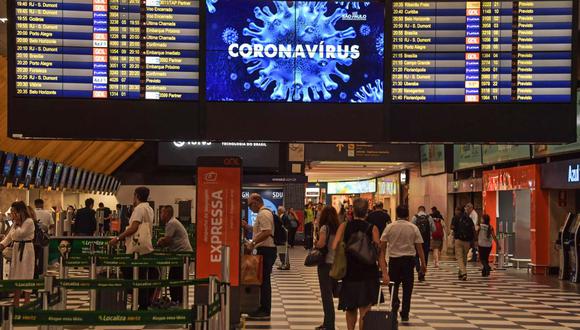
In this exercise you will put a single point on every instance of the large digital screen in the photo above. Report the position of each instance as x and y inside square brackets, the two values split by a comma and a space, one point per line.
[352, 187]
[48, 173]
[295, 51]
[482, 51]
[63, 178]
[57, 174]
[71, 177]
[19, 169]
[29, 171]
[273, 198]
[39, 173]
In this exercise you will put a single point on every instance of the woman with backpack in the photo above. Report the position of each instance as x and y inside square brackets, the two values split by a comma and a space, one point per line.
[20, 238]
[485, 237]
[438, 236]
[361, 284]
[328, 226]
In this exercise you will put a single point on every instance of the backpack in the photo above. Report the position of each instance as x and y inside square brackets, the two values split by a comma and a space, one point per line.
[464, 229]
[422, 222]
[438, 233]
[279, 234]
[41, 237]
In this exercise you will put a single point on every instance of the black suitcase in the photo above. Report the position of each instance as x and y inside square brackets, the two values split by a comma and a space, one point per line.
[377, 319]
[249, 298]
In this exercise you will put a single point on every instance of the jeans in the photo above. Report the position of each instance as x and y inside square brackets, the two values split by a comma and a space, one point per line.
[401, 272]
[268, 259]
[484, 257]
[308, 239]
[461, 250]
[326, 285]
[426, 248]
[176, 292]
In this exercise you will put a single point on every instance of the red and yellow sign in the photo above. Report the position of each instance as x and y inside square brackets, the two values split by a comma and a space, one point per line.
[218, 216]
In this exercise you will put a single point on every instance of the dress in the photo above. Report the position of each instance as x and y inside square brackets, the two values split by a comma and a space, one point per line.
[360, 286]
[22, 264]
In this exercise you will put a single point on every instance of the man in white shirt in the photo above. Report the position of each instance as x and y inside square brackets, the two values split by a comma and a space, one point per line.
[263, 242]
[470, 211]
[44, 217]
[404, 242]
[142, 216]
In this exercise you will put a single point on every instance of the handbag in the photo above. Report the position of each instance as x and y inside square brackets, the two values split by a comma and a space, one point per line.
[141, 241]
[338, 269]
[360, 246]
[252, 266]
[381, 319]
[317, 256]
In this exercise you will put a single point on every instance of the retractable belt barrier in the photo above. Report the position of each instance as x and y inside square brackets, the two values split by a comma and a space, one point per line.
[84, 284]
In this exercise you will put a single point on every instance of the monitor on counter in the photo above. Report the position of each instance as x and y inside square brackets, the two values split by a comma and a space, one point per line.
[28, 176]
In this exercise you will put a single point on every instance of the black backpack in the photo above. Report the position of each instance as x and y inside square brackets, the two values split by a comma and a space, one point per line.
[279, 234]
[422, 222]
[465, 229]
[41, 237]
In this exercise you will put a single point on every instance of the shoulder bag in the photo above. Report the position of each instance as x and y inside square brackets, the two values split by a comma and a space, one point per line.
[318, 256]
[361, 247]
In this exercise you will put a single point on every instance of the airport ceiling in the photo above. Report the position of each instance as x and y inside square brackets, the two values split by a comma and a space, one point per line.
[97, 156]
[322, 171]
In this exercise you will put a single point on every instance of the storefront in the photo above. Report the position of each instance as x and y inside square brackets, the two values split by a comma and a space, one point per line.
[343, 193]
[518, 209]
[388, 192]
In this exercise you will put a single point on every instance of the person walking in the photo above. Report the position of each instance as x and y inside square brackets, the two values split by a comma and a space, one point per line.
[379, 217]
[308, 226]
[282, 239]
[438, 237]
[485, 238]
[328, 227]
[263, 242]
[85, 220]
[20, 238]
[361, 284]
[292, 226]
[426, 226]
[175, 239]
[403, 241]
[464, 234]
[472, 214]
[137, 237]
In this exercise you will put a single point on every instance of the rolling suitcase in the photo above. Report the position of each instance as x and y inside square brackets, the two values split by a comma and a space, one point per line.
[377, 319]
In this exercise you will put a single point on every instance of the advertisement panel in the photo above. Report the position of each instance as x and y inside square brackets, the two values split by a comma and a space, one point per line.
[295, 51]
[272, 199]
[218, 215]
[352, 187]
[499, 153]
[432, 159]
[466, 156]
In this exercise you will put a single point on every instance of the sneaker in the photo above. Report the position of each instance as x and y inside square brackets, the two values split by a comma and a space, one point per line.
[464, 277]
[259, 315]
[404, 318]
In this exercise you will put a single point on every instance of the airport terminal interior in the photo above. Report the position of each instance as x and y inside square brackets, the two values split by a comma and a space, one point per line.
[289, 165]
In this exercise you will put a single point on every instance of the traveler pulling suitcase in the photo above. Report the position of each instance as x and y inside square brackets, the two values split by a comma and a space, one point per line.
[381, 319]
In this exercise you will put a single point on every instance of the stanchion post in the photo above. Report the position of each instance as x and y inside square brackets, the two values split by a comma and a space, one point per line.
[185, 302]
[213, 289]
[7, 317]
[226, 287]
[93, 276]
[44, 297]
[63, 274]
[135, 303]
[201, 318]
[500, 254]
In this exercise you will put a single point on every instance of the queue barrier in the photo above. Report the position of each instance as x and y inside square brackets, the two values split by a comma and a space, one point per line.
[84, 284]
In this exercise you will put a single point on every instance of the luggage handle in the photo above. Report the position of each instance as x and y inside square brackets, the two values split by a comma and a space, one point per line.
[390, 286]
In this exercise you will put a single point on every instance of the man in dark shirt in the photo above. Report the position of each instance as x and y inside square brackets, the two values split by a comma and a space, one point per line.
[106, 213]
[379, 217]
[85, 220]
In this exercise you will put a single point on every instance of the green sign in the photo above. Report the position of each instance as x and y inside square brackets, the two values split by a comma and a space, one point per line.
[432, 159]
[500, 153]
[36, 317]
[466, 156]
[85, 284]
[76, 246]
[11, 285]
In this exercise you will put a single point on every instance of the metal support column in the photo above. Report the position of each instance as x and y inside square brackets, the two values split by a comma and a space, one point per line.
[185, 302]
[7, 317]
[135, 303]
[225, 296]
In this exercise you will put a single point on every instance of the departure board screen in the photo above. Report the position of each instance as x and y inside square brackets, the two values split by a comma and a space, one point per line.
[482, 51]
[107, 49]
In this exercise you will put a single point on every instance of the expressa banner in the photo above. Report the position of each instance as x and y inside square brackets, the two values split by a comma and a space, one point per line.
[295, 51]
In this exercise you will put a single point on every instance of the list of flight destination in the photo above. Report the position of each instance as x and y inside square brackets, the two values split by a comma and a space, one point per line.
[482, 51]
[108, 49]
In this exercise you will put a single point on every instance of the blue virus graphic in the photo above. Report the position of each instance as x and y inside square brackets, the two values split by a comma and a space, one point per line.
[380, 44]
[298, 78]
[247, 85]
[355, 5]
[230, 35]
[369, 93]
[210, 5]
[342, 95]
[233, 76]
[365, 30]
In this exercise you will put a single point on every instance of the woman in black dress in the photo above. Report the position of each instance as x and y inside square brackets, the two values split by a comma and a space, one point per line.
[360, 286]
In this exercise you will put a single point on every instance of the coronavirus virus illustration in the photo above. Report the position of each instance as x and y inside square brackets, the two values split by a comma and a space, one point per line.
[380, 44]
[211, 5]
[230, 35]
[355, 5]
[365, 29]
[369, 93]
[298, 49]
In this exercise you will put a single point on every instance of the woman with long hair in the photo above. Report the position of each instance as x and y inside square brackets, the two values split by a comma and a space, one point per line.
[20, 238]
[328, 226]
[485, 238]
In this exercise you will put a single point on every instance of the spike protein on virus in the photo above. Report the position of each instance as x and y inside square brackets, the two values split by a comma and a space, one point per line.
[369, 93]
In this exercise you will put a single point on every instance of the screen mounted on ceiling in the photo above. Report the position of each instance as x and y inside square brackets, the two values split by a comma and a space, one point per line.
[295, 51]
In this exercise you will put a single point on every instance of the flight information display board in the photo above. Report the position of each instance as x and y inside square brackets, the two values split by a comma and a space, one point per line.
[482, 51]
[107, 49]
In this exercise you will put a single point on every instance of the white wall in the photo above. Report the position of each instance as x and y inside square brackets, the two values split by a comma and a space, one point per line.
[428, 191]
[78, 200]
[161, 195]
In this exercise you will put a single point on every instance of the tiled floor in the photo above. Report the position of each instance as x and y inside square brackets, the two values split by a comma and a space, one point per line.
[502, 301]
